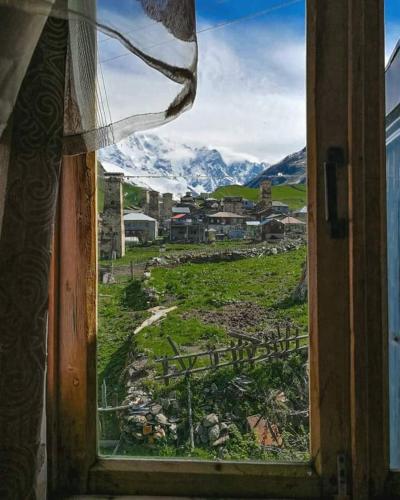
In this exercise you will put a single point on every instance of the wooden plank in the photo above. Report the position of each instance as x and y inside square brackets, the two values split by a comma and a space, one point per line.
[327, 101]
[204, 478]
[367, 239]
[52, 365]
[77, 262]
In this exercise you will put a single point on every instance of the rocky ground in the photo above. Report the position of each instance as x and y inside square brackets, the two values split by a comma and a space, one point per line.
[235, 316]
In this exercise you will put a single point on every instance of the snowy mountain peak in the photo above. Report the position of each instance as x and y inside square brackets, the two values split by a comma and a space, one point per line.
[291, 170]
[157, 163]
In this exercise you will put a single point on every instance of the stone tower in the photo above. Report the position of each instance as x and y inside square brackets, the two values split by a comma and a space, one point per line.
[168, 203]
[154, 205]
[266, 194]
[112, 238]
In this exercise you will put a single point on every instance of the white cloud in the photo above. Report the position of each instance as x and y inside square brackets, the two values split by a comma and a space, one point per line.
[251, 91]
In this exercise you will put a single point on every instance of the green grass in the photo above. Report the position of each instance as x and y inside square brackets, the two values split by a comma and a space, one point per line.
[235, 190]
[267, 281]
[294, 195]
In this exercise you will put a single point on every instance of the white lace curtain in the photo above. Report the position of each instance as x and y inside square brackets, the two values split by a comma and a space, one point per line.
[131, 63]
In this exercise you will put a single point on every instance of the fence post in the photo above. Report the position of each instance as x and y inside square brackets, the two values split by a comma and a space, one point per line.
[234, 357]
[131, 266]
[104, 394]
[190, 417]
[165, 369]
[287, 338]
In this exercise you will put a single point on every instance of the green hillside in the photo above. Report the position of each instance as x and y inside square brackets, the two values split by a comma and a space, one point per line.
[294, 195]
[133, 195]
[235, 190]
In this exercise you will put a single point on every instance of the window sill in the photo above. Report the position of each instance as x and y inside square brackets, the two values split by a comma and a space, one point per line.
[199, 478]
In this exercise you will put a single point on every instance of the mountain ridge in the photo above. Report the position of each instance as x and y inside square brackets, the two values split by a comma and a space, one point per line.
[153, 162]
[290, 170]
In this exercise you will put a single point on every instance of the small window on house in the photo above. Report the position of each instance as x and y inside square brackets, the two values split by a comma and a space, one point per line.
[203, 328]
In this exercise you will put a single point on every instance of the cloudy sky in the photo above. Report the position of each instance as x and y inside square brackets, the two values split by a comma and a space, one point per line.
[251, 88]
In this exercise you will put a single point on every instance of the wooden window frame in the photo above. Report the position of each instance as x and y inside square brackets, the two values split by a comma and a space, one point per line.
[347, 301]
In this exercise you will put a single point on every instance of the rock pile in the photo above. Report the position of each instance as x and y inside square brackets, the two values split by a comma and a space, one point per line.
[211, 431]
[145, 420]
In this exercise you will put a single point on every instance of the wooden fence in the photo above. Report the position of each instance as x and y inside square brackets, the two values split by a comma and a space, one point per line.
[246, 349]
[124, 272]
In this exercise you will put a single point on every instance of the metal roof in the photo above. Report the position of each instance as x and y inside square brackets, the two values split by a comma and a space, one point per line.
[227, 215]
[279, 204]
[138, 216]
[180, 210]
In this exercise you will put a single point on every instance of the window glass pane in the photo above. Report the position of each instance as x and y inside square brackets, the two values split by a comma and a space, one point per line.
[203, 328]
[393, 219]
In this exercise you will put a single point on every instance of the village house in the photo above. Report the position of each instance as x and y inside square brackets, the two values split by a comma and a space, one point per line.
[138, 224]
[301, 214]
[278, 206]
[186, 228]
[293, 227]
[253, 230]
[212, 204]
[227, 225]
[272, 229]
[233, 204]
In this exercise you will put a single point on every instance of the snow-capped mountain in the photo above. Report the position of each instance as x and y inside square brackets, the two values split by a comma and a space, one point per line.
[166, 166]
[291, 170]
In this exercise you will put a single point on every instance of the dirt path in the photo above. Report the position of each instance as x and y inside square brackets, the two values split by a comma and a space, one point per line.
[158, 313]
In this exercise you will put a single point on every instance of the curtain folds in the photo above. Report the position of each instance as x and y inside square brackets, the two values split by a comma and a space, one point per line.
[137, 72]
[31, 151]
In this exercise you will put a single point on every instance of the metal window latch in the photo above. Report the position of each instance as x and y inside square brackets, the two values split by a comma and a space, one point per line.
[335, 159]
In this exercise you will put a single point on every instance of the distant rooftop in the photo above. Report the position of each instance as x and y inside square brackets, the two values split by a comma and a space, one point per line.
[180, 210]
[279, 204]
[291, 220]
[226, 215]
[138, 216]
